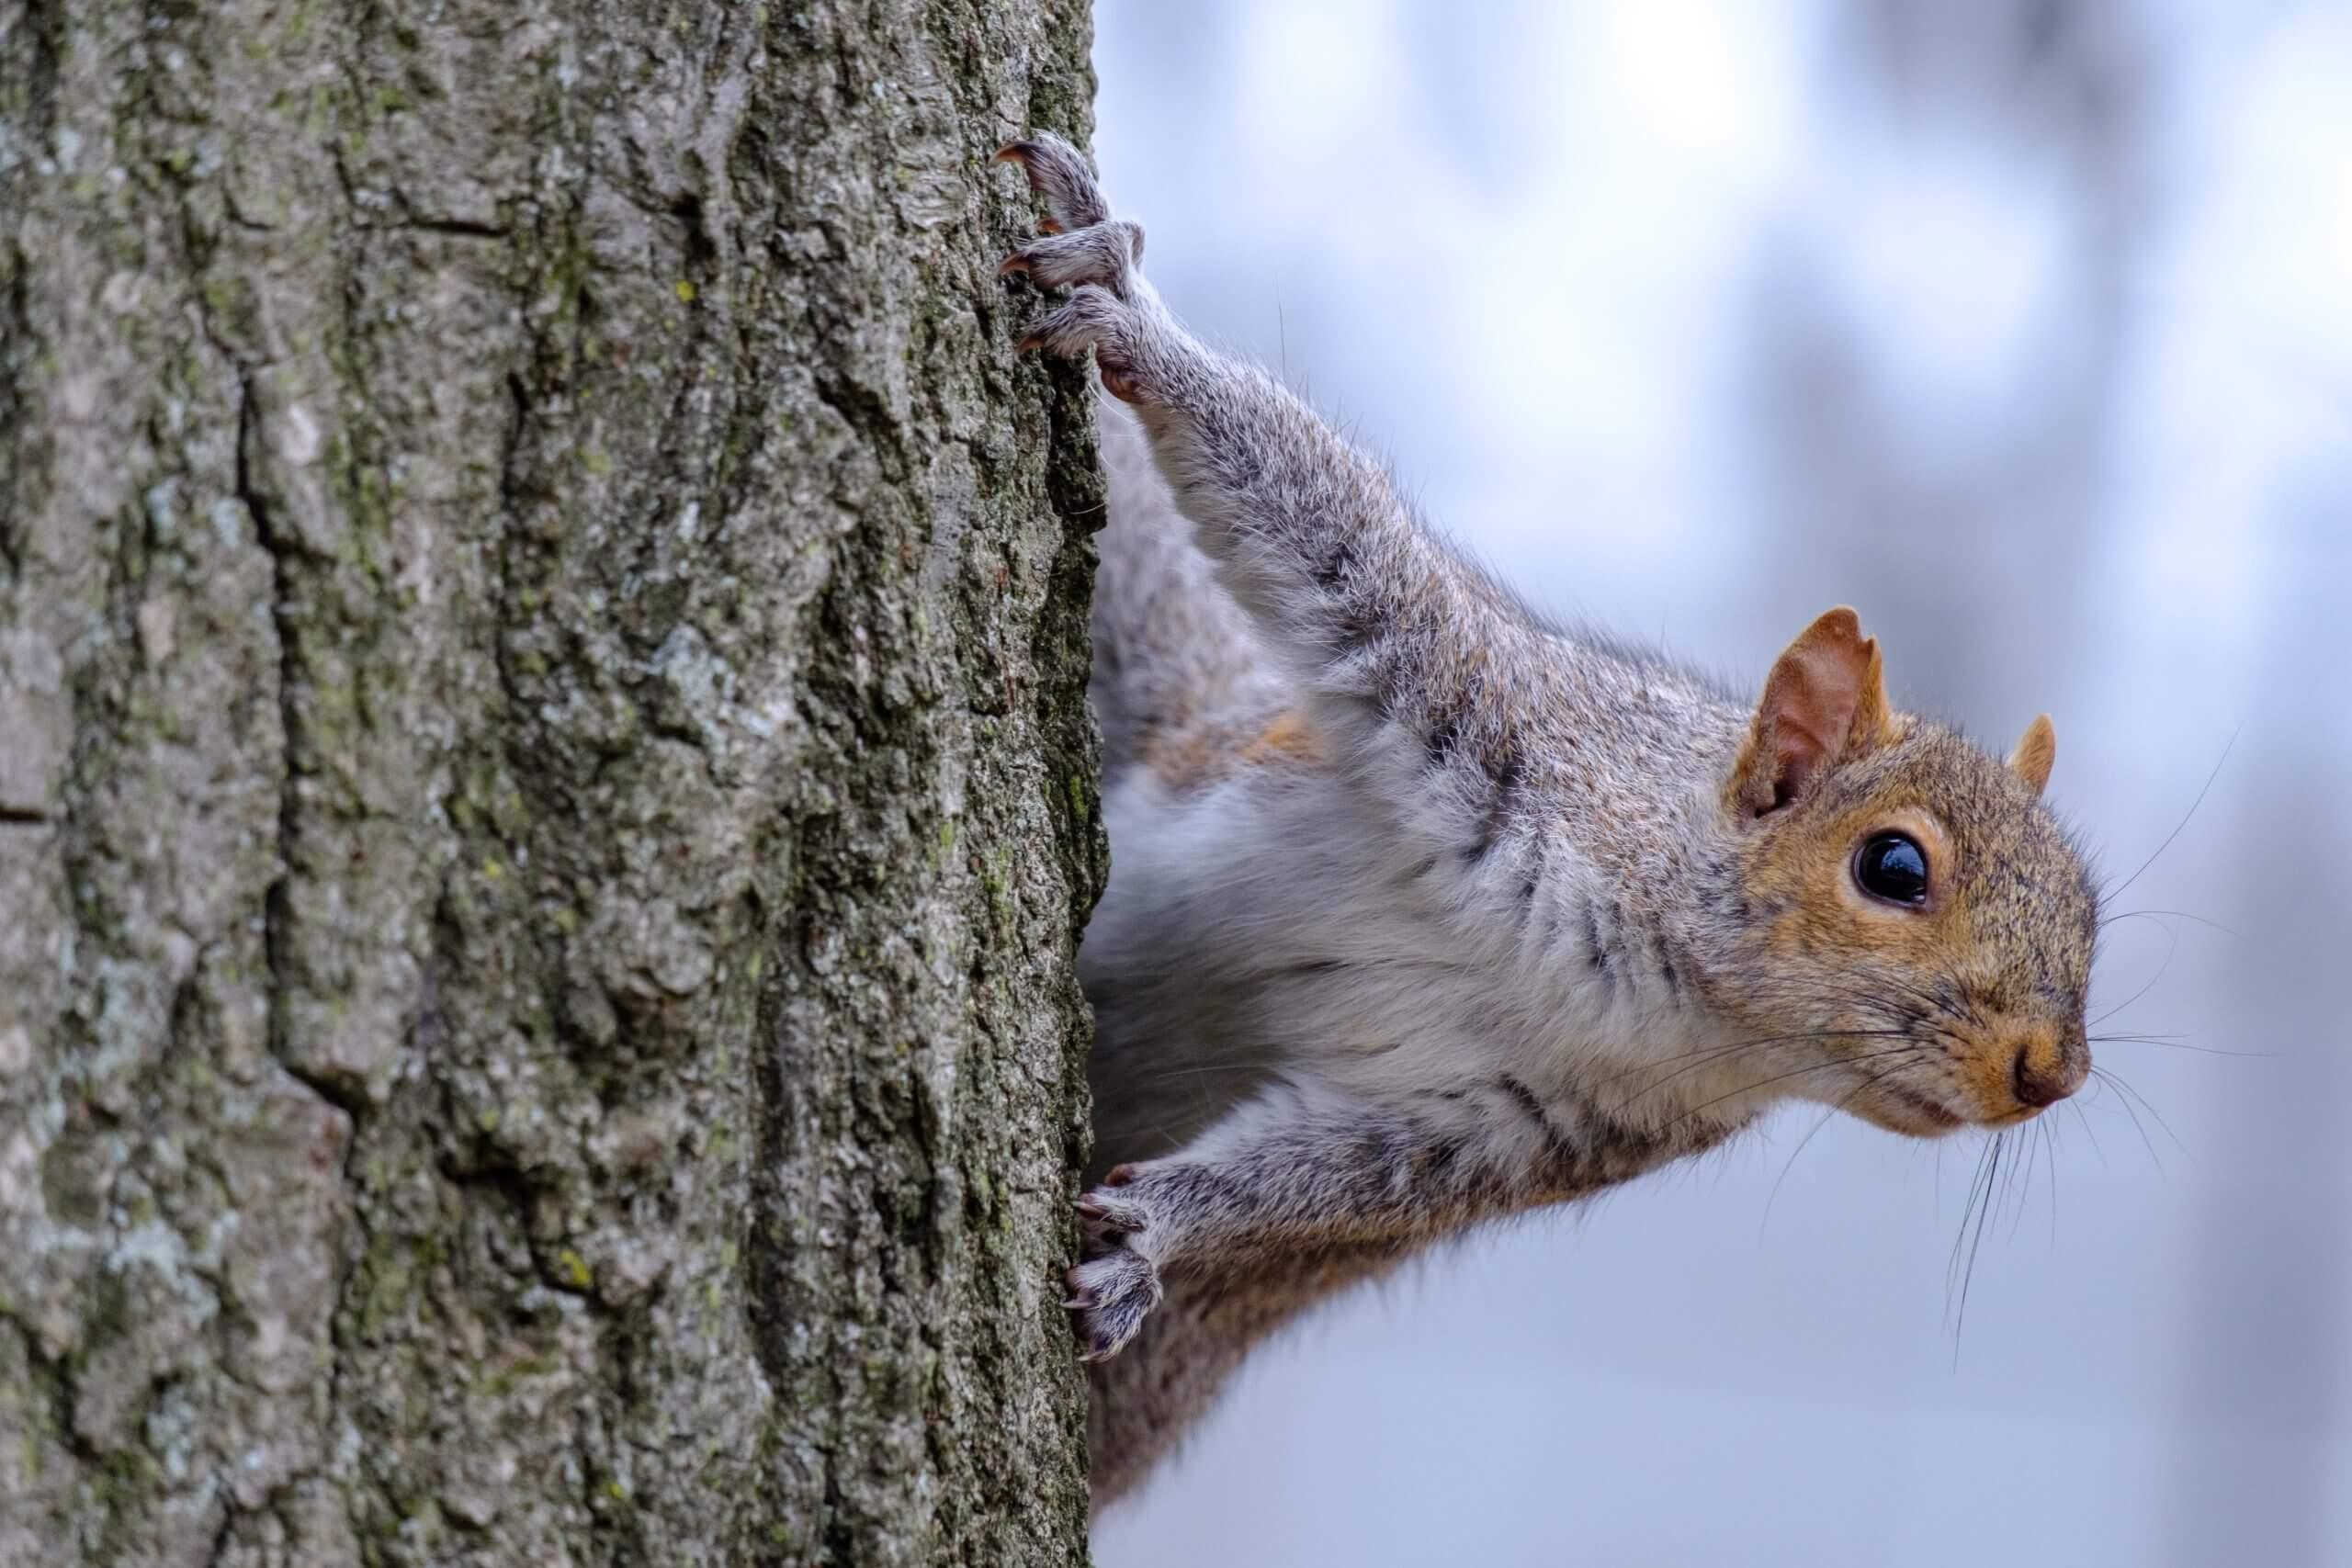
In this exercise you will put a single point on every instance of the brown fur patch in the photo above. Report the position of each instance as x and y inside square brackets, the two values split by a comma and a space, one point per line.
[1189, 758]
[1288, 738]
[1182, 760]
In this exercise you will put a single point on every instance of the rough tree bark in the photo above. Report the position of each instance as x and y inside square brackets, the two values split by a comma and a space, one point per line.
[545, 797]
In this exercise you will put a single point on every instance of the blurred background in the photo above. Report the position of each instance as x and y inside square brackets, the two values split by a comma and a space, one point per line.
[2021, 326]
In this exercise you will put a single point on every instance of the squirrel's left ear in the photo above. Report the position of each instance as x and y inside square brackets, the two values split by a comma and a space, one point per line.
[1824, 702]
[2037, 749]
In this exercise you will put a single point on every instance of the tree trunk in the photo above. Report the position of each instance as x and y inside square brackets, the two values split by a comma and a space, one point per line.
[546, 796]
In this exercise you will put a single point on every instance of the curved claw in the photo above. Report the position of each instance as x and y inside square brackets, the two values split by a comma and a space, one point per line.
[1108, 1217]
[1059, 173]
[1111, 1295]
[1107, 254]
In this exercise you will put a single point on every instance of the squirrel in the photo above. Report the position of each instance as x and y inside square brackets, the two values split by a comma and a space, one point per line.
[1425, 911]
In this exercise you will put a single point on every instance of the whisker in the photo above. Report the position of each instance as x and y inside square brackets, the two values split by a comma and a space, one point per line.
[2050, 1130]
[2008, 1185]
[1707, 1053]
[1952, 1264]
[1968, 1275]
[2113, 892]
[2104, 1080]
[2171, 1044]
[1827, 1117]
[2149, 1106]
[1976, 1182]
[2024, 1184]
[2172, 914]
[1769, 1198]
[1781, 1043]
[2091, 1132]
[1816, 1068]
[1873, 996]
[2172, 946]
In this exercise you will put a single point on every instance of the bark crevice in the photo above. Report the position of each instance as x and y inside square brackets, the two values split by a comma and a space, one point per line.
[539, 1022]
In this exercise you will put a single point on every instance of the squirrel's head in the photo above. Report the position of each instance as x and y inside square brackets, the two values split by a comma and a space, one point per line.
[1917, 925]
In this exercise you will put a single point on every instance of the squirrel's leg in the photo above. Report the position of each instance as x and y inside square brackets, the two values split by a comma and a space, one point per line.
[1353, 595]
[1298, 1187]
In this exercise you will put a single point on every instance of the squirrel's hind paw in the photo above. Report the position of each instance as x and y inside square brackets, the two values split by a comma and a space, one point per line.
[1111, 1296]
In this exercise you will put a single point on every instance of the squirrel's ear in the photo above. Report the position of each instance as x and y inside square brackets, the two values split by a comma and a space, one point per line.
[1825, 701]
[2037, 749]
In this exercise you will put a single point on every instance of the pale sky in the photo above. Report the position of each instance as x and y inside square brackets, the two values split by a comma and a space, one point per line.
[1696, 317]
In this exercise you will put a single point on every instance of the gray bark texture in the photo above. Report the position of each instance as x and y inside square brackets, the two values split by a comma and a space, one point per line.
[545, 794]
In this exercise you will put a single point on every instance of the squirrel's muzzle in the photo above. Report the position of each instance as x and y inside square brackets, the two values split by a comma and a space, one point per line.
[2044, 1074]
[2024, 1068]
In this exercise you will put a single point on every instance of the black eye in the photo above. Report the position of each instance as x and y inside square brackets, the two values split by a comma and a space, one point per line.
[1893, 867]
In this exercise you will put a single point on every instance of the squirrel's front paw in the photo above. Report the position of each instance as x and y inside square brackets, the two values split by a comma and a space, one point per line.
[1099, 258]
[1116, 1283]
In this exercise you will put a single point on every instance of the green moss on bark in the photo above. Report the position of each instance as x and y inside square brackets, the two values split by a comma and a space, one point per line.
[549, 800]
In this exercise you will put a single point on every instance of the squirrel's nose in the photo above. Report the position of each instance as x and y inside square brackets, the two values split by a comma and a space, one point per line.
[2046, 1072]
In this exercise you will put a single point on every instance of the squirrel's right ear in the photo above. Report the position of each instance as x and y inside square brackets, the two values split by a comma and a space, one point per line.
[1825, 701]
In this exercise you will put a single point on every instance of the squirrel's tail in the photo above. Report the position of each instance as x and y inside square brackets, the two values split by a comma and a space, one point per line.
[1175, 660]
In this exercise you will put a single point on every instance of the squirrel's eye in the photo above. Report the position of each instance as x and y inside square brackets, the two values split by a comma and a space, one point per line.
[1893, 867]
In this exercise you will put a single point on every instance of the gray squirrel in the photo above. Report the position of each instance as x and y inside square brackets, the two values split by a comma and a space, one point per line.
[1424, 911]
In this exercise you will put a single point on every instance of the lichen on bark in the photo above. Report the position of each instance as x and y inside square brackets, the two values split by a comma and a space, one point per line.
[546, 799]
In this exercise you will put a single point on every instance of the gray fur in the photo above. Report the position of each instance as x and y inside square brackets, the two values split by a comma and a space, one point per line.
[1473, 930]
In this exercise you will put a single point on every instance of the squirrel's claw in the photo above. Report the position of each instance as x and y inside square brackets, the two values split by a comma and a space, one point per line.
[1058, 171]
[1107, 1215]
[1111, 312]
[1089, 319]
[1111, 1295]
[1116, 1282]
[1104, 253]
